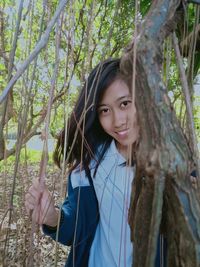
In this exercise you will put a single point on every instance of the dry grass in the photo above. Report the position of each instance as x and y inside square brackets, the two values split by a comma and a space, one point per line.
[25, 247]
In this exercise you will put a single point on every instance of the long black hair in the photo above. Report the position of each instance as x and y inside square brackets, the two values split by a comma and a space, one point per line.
[84, 132]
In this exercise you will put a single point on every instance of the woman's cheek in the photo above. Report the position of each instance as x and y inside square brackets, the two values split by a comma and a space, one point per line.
[105, 123]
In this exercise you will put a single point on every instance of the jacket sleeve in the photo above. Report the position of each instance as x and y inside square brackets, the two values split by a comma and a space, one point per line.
[67, 222]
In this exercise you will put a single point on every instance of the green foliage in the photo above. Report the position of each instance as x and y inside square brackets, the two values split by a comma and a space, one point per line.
[30, 156]
[73, 49]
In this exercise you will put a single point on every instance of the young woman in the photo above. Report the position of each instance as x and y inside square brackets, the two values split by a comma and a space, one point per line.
[94, 217]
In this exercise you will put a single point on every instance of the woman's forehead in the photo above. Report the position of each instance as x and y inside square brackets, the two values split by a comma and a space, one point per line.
[117, 89]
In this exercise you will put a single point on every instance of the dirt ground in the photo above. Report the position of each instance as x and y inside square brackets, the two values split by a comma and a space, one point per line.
[21, 243]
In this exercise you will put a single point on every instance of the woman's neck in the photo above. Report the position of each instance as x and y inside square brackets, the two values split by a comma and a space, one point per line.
[128, 152]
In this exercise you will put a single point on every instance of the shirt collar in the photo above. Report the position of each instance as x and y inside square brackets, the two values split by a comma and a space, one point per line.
[112, 157]
[115, 154]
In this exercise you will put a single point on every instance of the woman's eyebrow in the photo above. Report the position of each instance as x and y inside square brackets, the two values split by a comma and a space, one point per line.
[101, 105]
[117, 100]
[122, 97]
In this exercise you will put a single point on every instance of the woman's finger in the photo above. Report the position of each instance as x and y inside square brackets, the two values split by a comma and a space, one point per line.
[193, 181]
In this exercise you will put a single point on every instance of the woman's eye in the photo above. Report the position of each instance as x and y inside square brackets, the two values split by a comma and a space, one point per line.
[124, 104]
[104, 111]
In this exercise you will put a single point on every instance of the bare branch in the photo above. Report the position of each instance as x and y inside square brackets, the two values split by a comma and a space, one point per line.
[187, 100]
[30, 132]
[14, 46]
[185, 43]
[9, 100]
[39, 46]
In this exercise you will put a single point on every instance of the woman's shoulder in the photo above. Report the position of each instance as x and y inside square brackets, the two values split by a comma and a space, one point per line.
[78, 177]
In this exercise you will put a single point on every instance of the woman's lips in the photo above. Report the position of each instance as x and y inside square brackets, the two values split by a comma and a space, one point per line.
[122, 134]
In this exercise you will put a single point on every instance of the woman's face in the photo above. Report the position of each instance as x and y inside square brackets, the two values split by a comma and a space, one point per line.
[117, 115]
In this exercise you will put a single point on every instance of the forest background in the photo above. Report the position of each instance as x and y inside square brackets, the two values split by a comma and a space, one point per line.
[39, 102]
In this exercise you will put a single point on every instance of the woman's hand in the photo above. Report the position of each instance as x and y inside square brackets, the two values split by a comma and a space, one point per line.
[40, 205]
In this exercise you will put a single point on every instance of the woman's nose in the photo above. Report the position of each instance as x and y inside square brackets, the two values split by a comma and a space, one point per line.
[119, 118]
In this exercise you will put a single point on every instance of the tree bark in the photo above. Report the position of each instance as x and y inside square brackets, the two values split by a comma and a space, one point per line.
[162, 192]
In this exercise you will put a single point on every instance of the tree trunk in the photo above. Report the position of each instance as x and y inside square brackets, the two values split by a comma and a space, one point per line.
[162, 192]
